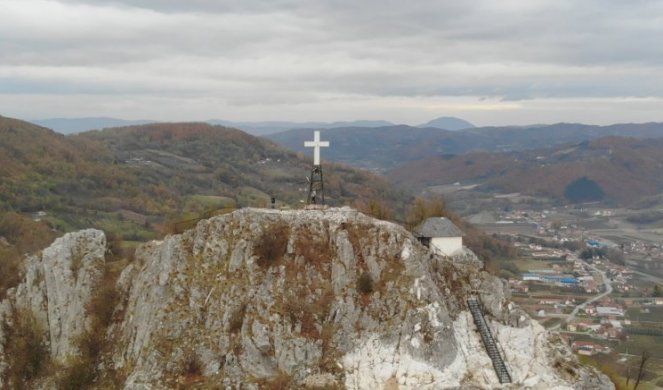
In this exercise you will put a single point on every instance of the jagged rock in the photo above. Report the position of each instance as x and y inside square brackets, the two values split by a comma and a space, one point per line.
[315, 298]
[305, 313]
[57, 286]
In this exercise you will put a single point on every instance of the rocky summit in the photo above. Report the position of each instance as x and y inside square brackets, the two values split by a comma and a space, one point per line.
[270, 299]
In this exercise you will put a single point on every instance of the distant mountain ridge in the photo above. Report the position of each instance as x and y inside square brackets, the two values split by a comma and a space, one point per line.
[265, 128]
[78, 125]
[387, 147]
[448, 123]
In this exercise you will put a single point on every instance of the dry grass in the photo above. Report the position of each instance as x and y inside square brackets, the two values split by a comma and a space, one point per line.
[27, 348]
[282, 381]
[82, 372]
[315, 250]
[79, 374]
[309, 328]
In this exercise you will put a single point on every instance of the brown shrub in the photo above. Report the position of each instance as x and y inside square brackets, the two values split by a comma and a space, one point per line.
[20, 235]
[423, 209]
[309, 330]
[10, 270]
[26, 347]
[365, 283]
[272, 245]
[282, 381]
[82, 372]
[79, 374]
[103, 301]
[26, 235]
[237, 319]
[375, 208]
[192, 371]
[315, 250]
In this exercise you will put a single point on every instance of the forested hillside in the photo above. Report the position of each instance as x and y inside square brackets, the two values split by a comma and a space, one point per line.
[622, 170]
[138, 176]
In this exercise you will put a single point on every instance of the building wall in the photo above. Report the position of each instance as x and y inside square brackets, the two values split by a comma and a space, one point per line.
[447, 245]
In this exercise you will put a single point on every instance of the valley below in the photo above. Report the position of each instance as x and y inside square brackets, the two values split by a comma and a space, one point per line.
[596, 247]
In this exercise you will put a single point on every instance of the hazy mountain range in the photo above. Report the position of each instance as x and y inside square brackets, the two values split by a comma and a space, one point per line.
[387, 147]
[77, 125]
[187, 160]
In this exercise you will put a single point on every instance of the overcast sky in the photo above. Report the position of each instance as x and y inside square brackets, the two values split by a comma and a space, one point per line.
[490, 62]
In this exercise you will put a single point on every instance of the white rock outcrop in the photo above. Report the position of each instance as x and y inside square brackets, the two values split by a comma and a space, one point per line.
[58, 284]
[306, 299]
[209, 296]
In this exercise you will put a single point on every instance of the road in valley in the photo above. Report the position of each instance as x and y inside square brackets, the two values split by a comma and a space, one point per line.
[608, 290]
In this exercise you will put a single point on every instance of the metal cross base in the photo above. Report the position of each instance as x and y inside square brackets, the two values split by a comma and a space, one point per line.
[316, 189]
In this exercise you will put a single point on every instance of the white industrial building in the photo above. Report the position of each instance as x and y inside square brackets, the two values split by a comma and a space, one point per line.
[609, 311]
[440, 235]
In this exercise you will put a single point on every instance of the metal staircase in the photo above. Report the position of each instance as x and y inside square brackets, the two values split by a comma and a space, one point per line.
[489, 341]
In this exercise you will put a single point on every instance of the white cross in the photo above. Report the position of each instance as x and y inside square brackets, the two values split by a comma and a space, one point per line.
[316, 144]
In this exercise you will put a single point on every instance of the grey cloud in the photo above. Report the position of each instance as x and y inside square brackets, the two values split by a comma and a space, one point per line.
[292, 51]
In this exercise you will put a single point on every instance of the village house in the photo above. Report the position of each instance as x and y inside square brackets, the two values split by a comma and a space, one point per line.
[579, 326]
[590, 310]
[440, 235]
[589, 348]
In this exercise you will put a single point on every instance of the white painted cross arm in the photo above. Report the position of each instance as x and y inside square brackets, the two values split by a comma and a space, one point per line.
[316, 144]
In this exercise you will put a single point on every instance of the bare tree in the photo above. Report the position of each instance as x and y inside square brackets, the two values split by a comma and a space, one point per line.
[641, 370]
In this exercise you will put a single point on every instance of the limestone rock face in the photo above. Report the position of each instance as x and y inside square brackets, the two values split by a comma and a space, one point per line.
[314, 298]
[297, 299]
[58, 284]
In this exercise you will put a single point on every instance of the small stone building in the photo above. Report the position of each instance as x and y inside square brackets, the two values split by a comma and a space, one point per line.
[441, 235]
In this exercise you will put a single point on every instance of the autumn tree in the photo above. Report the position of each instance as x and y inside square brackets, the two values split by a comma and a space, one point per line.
[375, 208]
[423, 209]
